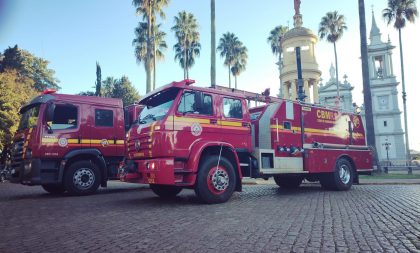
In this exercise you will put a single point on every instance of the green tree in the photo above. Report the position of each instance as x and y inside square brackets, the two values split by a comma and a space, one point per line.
[240, 61]
[108, 86]
[140, 44]
[399, 12]
[228, 45]
[15, 91]
[148, 9]
[332, 27]
[274, 39]
[213, 42]
[191, 53]
[29, 66]
[188, 37]
[120, 88]
[98, 82]
[87, 93]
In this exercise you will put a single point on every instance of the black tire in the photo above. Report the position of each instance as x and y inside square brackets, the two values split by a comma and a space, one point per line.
[54, 188]
[342, 177]
[290, 182]
[82, 178]
[215, 184]
[165, 191]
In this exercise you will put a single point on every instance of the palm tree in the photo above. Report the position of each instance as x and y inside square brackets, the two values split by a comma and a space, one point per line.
[191, 53]
[399, 11]
[274, 39]
[367, 95]
[239, 65]
[227, 46]
[213, 43]
[159, 46]
[140, 44]
[332, 27]
[186, 32]
[148, 9]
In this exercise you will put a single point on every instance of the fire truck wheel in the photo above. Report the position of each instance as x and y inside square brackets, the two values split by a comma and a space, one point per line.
[288, 182]
[165, 191]
[215, 180]
[54, 188]
[342, 177]
[82, 178]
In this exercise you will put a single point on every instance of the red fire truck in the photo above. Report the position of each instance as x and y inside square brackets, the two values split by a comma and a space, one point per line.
[70, 143]
[208, 139]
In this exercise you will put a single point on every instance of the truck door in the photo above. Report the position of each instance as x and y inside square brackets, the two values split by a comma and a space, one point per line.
[191, 123]
[65, 131]
[235, 122]
[104, 130]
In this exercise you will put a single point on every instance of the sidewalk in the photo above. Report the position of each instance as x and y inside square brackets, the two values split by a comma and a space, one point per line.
[364, 181]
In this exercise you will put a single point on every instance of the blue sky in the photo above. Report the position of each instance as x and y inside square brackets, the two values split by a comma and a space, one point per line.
[73, 35]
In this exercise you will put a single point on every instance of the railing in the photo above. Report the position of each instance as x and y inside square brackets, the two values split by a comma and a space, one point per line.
[400, 165]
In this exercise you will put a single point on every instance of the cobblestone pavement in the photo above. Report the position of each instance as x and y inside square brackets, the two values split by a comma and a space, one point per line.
[263, 218]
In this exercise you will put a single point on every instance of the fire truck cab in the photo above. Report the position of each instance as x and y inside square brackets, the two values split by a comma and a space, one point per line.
[208, 139]
[69, 142]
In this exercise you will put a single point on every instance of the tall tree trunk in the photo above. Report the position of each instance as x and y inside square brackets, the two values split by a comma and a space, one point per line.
[229, 75]
[213, 44]
[404, 97]
[187, 69]
[149, 49]
[367, 96]
[336, 77]
[185, 59]
[280, 66]
[154, 58]
[154, 72]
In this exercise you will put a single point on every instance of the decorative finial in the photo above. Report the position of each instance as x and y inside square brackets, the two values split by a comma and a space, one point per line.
[297, 7]
[345, 78]
[297, 18]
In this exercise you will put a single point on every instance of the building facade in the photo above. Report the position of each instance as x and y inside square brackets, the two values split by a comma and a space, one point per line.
[386, 113]
[328, 92]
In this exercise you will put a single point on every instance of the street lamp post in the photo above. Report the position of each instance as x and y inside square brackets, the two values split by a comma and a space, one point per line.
[387, 145]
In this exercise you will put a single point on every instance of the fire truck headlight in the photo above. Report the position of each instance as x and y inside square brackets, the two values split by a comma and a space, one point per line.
[150, 166]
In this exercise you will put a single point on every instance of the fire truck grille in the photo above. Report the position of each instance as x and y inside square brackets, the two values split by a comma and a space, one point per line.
[17, 153]
[140, 145]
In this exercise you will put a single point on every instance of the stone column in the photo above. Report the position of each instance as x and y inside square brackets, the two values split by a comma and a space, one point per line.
[285, 88]
[315, 91]
[307, 93]
[293, 86]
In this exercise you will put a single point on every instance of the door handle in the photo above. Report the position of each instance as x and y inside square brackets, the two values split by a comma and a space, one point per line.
[213, 121]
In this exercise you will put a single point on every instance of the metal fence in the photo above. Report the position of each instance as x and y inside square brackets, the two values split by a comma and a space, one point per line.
[400, 165]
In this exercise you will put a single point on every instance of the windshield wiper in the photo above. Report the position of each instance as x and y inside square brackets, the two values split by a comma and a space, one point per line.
[148, 116]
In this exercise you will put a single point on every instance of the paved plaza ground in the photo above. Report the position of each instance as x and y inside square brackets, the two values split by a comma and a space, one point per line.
[262, 218]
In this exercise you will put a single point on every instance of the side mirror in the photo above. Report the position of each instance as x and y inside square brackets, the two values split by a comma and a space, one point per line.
[198, 100]
[49, 116]
[49, 113]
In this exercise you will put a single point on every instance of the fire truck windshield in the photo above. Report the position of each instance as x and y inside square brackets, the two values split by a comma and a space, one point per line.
[157, 106]
[29, 118]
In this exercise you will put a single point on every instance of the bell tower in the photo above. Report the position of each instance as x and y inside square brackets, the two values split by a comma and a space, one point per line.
[386, 113]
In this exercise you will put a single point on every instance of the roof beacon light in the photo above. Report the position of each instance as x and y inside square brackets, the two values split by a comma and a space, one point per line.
[48, 91]
[189, 81]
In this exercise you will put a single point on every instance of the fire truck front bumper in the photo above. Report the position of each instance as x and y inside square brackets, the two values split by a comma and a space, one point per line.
[33, 172]
[153, 171]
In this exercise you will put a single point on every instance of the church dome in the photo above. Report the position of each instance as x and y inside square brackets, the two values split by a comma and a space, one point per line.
[298, 32]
